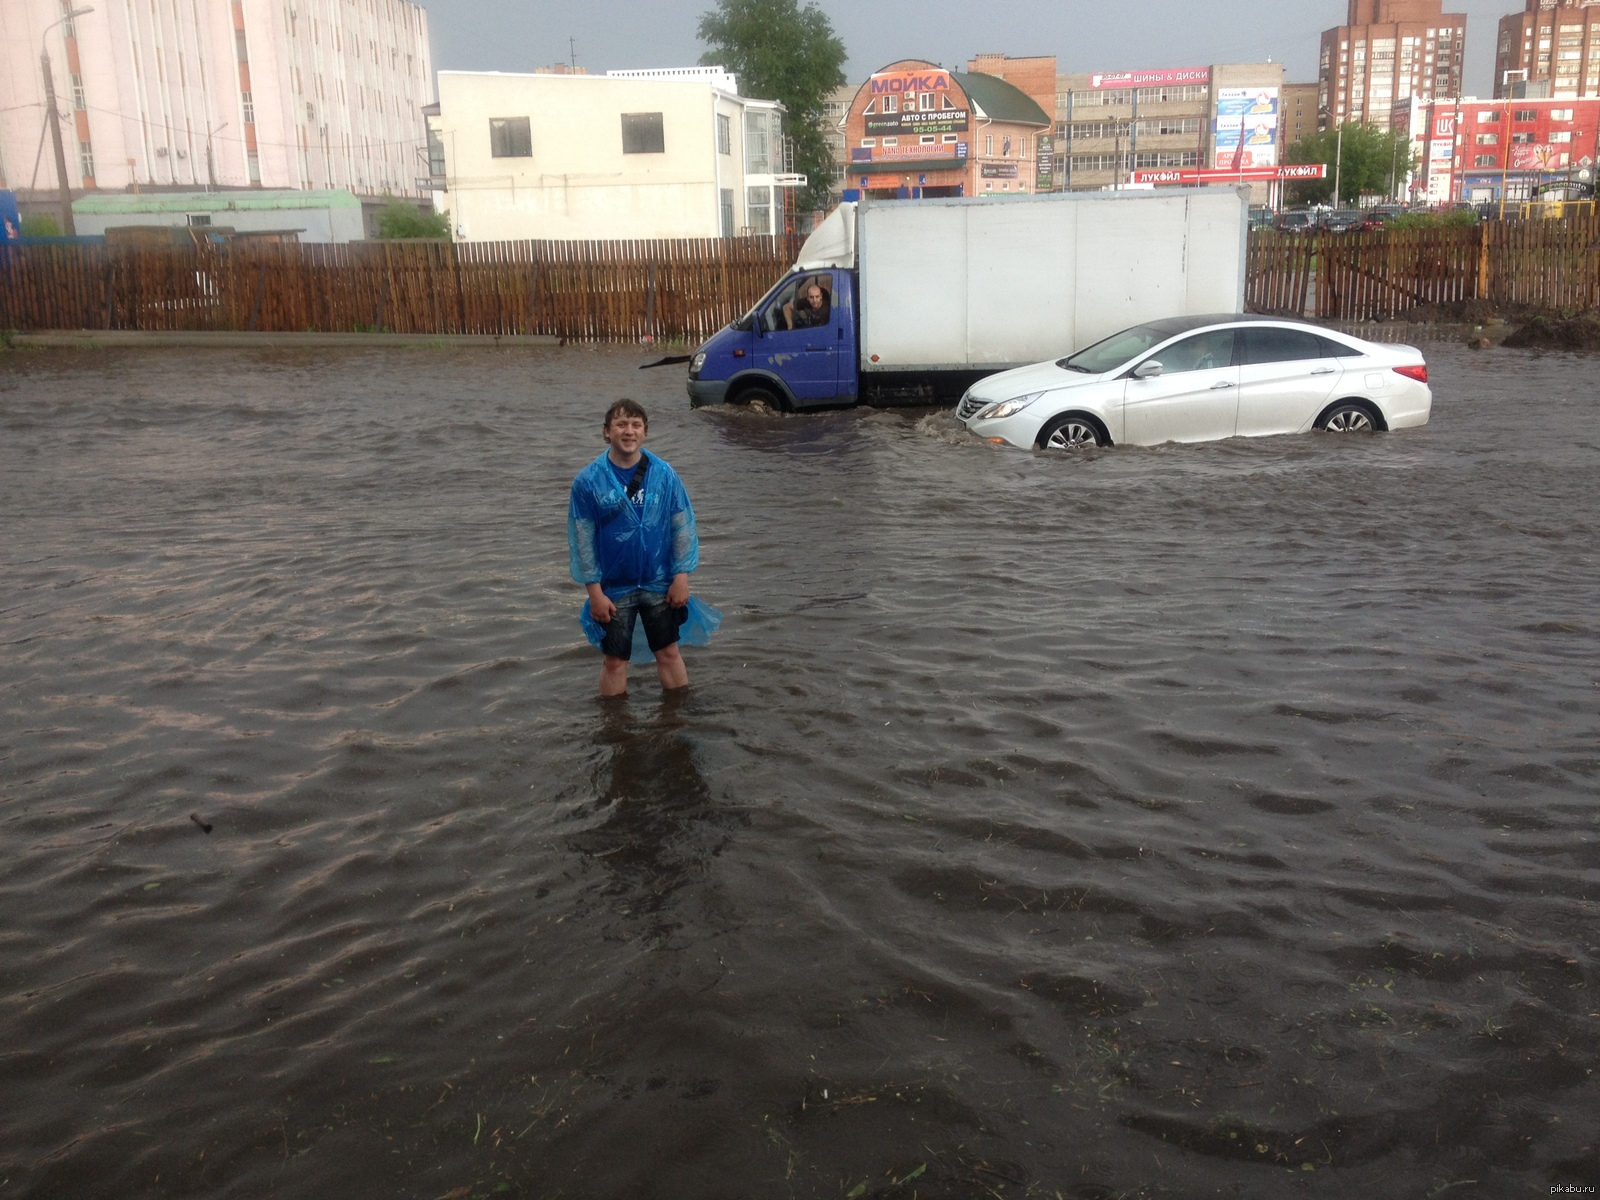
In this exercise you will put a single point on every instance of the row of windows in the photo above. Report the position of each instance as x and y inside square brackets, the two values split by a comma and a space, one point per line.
[1153, 161]
[645, 133]
[1124, 97]
[1524, 114]
[1088, 131]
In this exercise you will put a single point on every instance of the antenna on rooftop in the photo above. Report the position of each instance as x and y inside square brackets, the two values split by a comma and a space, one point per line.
[572, 46]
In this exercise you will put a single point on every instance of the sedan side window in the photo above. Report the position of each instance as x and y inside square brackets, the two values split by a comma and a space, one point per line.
[1268, 344]
[1203, 352]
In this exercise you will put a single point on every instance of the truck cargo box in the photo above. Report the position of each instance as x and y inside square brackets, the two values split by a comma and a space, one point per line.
[987, 284]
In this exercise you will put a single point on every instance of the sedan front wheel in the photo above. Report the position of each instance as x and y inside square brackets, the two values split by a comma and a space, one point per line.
[1071, 432]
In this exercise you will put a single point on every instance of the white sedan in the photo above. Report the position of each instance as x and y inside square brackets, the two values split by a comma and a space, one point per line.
[1196, 379]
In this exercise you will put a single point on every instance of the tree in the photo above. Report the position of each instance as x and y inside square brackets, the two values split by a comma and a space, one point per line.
[1373, 162]
[397, 219]
[781, 51]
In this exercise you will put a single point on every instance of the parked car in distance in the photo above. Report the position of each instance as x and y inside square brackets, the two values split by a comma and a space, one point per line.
[1298, 220]
[1197, 379]
[1344, 220]
[1380, 218]
[1262, 217]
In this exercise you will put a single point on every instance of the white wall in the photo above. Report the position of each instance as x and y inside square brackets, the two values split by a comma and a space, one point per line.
[578, 184]
[161, 84]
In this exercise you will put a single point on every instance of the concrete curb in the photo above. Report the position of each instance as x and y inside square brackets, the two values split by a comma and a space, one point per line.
[123, 339]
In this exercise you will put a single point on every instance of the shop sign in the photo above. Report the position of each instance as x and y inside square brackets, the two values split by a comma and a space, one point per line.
[998, 170]
[916, 103]
[1137, 79]
[1299, 171]
[915, 123]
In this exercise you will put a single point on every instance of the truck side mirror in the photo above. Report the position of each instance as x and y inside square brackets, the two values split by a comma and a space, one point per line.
[1148, 369]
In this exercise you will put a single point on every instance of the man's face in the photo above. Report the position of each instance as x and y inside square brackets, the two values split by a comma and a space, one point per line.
[813, 296]
[625, 434]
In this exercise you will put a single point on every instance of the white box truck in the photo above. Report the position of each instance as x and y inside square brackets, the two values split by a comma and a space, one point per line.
[913, 302]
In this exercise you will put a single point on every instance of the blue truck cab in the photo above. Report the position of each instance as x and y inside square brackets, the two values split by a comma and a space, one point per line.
[779, 354]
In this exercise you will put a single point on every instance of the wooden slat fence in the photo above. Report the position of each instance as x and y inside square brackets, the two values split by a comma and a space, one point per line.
[583, 291]
[685, 290]
[1540, 264]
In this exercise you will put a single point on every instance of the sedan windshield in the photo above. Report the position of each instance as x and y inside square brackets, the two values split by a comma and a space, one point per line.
[1115, 351]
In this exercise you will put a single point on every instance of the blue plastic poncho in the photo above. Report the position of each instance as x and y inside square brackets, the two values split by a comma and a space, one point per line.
[626, 547]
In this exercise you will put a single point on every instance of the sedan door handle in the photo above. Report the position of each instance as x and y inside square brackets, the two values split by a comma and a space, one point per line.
[1217, 387]
[1324, 371]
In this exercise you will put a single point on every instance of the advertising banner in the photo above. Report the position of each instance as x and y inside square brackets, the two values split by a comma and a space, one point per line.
[1299, 171]
[1539, 157]
[1045, 179]
[998, 170]
[1246, 124]
[1138, 79]
[10, 220]
[914, 152]
[916, 103]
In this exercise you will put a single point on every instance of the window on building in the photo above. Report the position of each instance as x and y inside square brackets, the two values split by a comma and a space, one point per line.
[928, 140]
[724, 134]
[1527, 114]
[198, 219]
[762, 149]
[1561, 114]
[1561, 136]
[758, 207]
[253, 162]
[726, 205]
[643, 133]
[891, 141]
[868, 143]
[988, 145]
[1487, 118]
[247, 101]
[86, 160]
[927, 100]
[1485, 160]
[891, 103]
[1522, 139]
[1488, 139]
[510, 137]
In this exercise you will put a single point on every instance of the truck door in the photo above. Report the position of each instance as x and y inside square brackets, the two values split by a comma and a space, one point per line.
[1194, 399]
[802, 337]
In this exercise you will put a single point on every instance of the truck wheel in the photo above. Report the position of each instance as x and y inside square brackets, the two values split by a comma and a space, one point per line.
[770, 397]
[1072, 431]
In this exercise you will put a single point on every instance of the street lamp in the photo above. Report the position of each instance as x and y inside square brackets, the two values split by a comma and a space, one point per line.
[54, 117]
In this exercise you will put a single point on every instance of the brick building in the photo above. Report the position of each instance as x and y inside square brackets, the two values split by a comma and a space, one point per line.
[1486, 151]
[1387, 53]
[916, 129]
[1300, 114]
[1554, 44]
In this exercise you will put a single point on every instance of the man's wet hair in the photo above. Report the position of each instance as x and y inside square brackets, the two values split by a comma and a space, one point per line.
[627, 408]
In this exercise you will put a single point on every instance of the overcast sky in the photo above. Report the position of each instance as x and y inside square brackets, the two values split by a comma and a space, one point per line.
[1084, 35]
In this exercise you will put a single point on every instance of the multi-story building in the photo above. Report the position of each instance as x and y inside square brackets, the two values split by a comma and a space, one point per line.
[674, 153]
[1486, 151]
[915, 129]
[835, 108]
[225, 93]
[1387, 53]
[1555, 43]
[1111, 124]
[1300, 118]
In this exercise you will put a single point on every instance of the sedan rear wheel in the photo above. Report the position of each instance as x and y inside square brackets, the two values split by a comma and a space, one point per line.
[1070, 432]
[1349, 418]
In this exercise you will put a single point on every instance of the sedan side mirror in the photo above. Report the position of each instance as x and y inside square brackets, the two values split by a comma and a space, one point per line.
[1149, 369]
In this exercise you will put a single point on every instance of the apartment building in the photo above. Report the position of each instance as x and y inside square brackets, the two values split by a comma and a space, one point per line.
[1111, 124]
[1552, 49]
[835, 109]
[1300, 116]
[308, 94]
[1512, 149]
[1387, 53]
[674, 153]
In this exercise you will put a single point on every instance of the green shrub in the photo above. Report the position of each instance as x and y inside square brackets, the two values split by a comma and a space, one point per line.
[1455, 218]
[40, 225]
[397, 219]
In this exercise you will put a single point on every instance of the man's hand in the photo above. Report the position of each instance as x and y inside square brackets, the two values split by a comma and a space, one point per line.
[601, 607]
[678, 593]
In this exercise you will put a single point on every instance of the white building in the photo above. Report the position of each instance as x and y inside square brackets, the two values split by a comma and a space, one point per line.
[630, 154]
[226, 93]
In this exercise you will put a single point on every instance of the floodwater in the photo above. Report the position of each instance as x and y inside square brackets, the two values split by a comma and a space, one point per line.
[1214, 820]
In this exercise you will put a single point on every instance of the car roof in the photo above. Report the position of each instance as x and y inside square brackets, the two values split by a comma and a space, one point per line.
[1173, 326]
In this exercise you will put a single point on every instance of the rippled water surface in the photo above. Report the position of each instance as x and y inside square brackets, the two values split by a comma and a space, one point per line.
[1206, 820]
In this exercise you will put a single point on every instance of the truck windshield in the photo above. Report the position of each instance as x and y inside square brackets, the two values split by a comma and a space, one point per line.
[1114, 352]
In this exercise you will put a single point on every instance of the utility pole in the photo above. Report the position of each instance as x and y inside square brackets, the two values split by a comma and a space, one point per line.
[68, 228]
[1338, 165]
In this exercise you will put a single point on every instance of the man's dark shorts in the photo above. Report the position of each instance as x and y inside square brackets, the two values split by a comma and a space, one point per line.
[660, 624]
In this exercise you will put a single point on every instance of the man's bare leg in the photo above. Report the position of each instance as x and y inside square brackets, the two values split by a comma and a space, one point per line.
[613, 676]
[671, 668]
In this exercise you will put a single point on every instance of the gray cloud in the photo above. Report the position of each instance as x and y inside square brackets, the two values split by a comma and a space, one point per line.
[519, 35]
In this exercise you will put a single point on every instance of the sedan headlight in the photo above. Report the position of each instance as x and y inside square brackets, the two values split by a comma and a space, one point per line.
[698, 361]
[1010, 408]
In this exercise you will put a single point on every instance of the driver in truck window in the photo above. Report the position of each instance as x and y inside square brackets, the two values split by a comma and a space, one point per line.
[810, 309]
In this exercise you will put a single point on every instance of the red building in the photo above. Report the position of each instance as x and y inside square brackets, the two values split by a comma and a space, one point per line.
[916, 129]
[1486, 151]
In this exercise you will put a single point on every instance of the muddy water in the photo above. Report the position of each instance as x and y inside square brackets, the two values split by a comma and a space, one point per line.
[1205, 820]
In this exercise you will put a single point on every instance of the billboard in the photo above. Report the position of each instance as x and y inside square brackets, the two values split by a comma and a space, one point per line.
[1539, 157]
[914, 103]
[999, 171]
[1137, 79]
[10, 220]
[1045, 177]
[1246, 125]
[1299, 171]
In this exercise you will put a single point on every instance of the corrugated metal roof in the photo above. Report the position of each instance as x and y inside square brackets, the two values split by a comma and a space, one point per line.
[125, 204]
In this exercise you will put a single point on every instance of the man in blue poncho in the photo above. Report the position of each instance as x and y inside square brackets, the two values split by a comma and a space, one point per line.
[632, 536]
